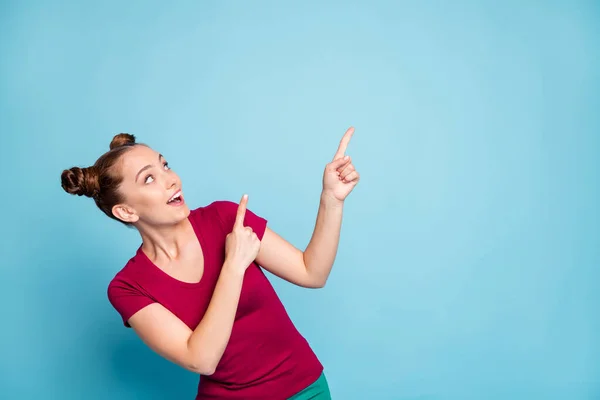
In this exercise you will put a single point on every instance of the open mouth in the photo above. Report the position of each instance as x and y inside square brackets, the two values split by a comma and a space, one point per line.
[176, 200]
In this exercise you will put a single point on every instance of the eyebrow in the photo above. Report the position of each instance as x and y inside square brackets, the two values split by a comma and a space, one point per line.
[160, 156]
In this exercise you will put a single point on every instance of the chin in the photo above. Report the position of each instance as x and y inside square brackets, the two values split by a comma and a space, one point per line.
[180, 212]
[186, 211]
[160, 216]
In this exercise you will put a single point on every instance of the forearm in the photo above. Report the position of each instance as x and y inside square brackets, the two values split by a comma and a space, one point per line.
[209, 340]
[322, 248]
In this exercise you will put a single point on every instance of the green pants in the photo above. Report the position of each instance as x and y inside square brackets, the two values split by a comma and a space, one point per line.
[319, 390]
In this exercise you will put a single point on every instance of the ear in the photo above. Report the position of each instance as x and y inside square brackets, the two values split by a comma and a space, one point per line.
[125, 213]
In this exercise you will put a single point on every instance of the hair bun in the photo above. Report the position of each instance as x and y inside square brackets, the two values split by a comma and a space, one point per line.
[81, 181]
[122, 139]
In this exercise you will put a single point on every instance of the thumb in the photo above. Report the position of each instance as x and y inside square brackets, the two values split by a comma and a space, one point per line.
[335, 164]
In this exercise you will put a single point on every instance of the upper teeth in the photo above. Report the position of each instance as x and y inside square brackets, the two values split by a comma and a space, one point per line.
[176, 195]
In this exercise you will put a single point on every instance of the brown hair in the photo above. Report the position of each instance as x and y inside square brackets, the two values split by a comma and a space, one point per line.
[101, 180]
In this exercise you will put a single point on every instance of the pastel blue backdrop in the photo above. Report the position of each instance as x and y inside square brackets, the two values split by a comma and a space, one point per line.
[469, 261]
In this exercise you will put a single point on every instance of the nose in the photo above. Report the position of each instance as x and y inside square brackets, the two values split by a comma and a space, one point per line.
[171, 180]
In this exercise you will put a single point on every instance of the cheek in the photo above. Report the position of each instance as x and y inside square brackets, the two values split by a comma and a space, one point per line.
[152, 197]
[145, 198]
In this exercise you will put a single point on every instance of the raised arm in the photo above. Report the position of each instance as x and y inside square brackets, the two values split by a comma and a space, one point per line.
[311, 267]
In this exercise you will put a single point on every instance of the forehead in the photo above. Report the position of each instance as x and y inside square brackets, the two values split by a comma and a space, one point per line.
[138, 157]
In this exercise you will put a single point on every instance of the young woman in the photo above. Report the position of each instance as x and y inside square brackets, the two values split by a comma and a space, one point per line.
[195, 292]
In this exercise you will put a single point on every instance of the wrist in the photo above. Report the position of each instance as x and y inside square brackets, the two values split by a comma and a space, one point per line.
[233, 268]
[330, 201]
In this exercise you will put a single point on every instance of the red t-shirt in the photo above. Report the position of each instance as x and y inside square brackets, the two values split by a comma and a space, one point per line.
[266, 357]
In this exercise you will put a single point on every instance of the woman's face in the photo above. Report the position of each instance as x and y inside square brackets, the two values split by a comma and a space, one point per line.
[151, 190]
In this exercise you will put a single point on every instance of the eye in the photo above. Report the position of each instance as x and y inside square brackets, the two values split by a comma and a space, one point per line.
[166, 166]
[149, 179]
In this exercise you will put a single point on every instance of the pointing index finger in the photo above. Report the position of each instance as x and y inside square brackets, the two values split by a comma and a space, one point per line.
[344, 144]
[241, 212]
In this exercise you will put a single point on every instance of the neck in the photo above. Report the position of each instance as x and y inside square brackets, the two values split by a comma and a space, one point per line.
[164, 243]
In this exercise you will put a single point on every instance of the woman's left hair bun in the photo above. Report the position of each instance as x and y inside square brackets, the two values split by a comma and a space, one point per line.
[122, 139]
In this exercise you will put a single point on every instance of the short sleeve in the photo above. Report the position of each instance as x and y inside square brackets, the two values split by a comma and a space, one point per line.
[227, 211]
[126, 299]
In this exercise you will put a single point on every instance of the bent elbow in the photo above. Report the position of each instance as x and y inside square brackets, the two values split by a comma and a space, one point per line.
[202, 369]
[202, 366]
[208, 371]
[318, 283]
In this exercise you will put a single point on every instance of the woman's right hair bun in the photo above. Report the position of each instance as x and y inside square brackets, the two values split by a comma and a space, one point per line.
[122, 139]
[81, 181]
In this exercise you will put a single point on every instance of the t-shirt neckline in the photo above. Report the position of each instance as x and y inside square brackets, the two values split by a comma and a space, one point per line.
[205, 256]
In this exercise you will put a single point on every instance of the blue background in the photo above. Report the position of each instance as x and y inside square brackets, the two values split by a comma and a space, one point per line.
[469, 261]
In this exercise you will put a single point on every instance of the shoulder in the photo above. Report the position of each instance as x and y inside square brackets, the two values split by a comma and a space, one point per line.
[223, 212]
[219, 211]
[215, 214]
[216, 208]
[222, 207]
[125, 291]
[125, 279]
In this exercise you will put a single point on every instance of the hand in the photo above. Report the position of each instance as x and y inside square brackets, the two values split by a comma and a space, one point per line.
[340, 176]
[242, 244]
